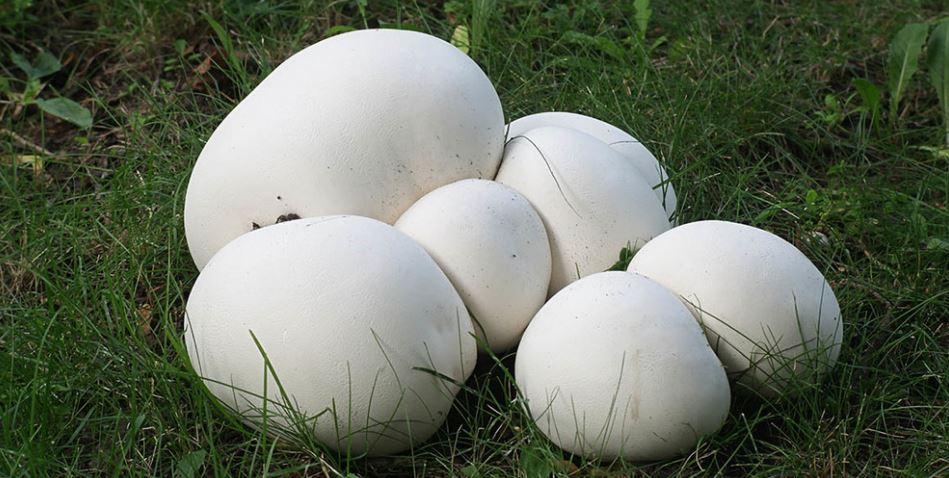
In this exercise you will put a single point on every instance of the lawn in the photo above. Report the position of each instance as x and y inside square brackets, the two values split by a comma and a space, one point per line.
[751, 106]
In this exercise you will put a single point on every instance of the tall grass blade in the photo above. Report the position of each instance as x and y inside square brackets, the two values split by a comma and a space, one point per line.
[481, 11]
[233, 62]
[904, 61]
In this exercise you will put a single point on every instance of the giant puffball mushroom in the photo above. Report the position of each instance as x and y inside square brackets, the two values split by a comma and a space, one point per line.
[593, 201]
[614, 366]
[493, 246]
[361, 123]
[619, 140]
[358, 325]
[768, 312]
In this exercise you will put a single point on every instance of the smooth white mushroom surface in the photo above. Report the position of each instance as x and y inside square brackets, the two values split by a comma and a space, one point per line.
[361, 123]
[768, 312]
[355, 319]
[493, 246]
[614, 366]
[592, 200]
[621, 141]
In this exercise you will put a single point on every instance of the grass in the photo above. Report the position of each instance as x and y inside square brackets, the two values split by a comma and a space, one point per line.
[751, 107]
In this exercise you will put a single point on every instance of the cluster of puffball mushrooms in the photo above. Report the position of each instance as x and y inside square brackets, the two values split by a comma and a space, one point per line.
[365, 223]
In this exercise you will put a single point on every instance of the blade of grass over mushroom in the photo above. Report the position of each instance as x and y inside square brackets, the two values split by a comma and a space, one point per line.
[549, 170]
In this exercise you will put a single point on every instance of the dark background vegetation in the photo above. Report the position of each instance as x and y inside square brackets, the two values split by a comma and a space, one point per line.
[751, 105]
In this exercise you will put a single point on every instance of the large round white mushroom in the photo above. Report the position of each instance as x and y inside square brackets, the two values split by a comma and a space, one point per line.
[592, 200]
[621, 141]
[614, 366]
[361, 123]
[358, 324]
[768, 312]
[493, 246]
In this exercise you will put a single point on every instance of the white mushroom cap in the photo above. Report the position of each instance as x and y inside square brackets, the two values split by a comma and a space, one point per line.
[354, 318]
[593, 201]
[361, 123]
[615, 366]
[768, 312]
[621, 141]
[493, 246]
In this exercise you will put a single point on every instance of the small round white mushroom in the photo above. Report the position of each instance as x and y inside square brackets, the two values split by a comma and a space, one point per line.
[358, 325]
[593, 201]
[493, 246]
[621, 141]
[768, 312]
[361, 123]
[614, 366]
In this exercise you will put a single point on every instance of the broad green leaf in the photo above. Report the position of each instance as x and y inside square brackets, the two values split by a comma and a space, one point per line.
[936, 152]
[45, 64]
[904, 61]
[870, 95]
[454, 7]
[534, 462]
[811, 197]
[766, 214]
[190, 464]
[68, 110]
[22, 63]
[643, 14]
[470, 471]
[32, 160]
[937, 244]
[610, 47]
[459, 38]
[679, 49]
[937, 61]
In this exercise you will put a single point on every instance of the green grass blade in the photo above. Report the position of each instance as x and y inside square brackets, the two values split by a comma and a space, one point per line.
[224, 39]
[904, 61]
[481, 11]
[937, 61]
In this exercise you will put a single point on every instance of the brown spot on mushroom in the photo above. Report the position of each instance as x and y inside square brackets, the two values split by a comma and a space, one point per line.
[287, 217]
[282, 218]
